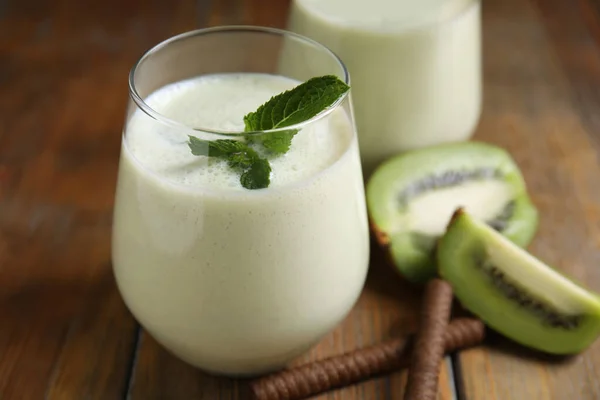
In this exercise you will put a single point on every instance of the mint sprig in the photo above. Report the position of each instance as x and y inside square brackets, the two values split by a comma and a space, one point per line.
[293, 107]
[215, 148]
[257, 176]
[256, 171]
[286, 109]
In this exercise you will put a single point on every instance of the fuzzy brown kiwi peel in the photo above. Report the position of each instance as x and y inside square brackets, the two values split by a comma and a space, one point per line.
[411, 198]
[513, 292]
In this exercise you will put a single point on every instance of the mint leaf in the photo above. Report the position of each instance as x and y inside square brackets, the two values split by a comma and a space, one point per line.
[258, 176]
[242, 160]
[215, 148]
[278, 142]
[292, 107]
[255, 170]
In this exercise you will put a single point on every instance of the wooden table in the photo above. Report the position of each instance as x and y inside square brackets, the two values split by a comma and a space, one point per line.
[64, 331]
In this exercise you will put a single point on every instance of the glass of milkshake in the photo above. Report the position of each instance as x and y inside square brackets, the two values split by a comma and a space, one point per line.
[415, 67]
[232, 280]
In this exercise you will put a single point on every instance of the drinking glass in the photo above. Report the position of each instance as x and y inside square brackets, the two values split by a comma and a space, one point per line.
[416, 81]
[231, 280]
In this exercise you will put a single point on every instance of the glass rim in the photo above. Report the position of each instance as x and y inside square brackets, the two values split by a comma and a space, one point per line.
[151, 112]
[460, 12]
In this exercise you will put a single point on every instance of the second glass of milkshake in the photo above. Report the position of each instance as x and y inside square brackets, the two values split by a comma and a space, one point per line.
[415, 68]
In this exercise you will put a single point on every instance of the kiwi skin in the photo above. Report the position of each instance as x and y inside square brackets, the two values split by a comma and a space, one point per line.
[412, 254]
[514, 318]
[419, 267]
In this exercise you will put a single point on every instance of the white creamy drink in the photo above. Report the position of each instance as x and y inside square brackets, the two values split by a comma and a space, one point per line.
[232, 280]
[415, 67]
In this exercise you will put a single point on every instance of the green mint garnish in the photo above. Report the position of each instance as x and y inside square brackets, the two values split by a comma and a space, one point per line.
[257, 176]
[216, 148]
[293, 107]
[256, 171]
[288, 108]
[275, 142]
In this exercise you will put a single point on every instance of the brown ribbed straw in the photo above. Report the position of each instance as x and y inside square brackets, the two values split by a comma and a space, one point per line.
[428, 352]
[358, 365]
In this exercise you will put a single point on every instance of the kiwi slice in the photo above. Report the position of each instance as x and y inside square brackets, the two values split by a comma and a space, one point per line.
[515, 293]
[411, 198]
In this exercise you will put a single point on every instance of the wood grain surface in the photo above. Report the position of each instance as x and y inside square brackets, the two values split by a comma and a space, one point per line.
[64, 330]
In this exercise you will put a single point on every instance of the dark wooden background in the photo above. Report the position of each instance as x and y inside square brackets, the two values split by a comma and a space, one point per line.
[64, 331]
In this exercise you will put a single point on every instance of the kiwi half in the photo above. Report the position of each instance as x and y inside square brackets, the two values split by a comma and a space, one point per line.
[515, 293]
[411, 198]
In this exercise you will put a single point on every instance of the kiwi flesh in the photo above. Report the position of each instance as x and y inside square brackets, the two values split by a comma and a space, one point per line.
[411, 198]
[513, 292]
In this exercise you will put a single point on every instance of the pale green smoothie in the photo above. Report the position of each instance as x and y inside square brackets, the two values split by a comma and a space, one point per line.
[232, 280]
[415, 67]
